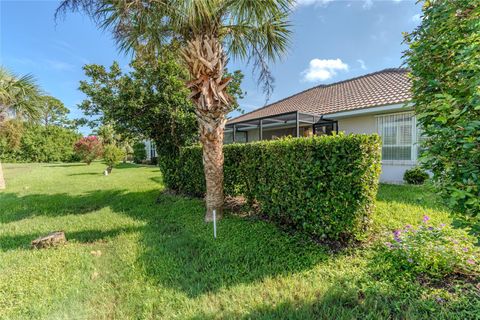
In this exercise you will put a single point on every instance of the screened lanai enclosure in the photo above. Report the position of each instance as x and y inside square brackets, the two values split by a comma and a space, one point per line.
[295, 124]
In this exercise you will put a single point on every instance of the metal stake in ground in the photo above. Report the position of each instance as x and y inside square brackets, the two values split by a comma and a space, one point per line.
[215, 224]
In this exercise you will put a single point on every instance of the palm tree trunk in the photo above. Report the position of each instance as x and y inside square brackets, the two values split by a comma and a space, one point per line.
[211, 136]
[2, 180]
[206, 61]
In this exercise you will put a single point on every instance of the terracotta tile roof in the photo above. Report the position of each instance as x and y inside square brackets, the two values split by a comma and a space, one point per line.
[389, 86]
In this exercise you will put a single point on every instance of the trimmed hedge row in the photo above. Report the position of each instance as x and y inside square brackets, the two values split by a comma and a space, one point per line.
[323, 186]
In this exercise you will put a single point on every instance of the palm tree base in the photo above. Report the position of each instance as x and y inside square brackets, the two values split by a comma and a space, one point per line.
[218, 215]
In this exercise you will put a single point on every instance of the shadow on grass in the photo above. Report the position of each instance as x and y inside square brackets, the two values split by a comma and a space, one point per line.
[158, 180]
[87, 236]
[66, 165]
[347, 302]
[178, 247]
[85, 174]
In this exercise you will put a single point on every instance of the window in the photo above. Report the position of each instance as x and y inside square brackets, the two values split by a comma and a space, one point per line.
[325, 128]
[399, 136]
[153, 150]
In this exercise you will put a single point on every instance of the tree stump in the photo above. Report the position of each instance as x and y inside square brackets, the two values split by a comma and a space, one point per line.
[52, 240]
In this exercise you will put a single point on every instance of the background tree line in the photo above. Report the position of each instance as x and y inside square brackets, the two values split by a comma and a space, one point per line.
[34, 127]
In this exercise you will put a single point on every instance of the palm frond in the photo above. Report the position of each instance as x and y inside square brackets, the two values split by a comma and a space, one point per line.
[255, 30]
[19, 93]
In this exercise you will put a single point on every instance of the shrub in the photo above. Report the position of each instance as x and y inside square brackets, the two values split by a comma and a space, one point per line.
[139, 152]
[154, 161]
[88, 149]
[443, 57]
[112, 155]
[323, 186]
[433, 251]
[415, 176]
[36, 143]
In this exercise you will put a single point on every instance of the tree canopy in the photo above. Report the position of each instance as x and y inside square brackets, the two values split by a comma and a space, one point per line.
[53, 112]
[444, 59]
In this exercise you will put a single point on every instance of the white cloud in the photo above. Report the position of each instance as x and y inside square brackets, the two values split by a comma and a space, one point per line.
[59, 65]
[312, 2]
[367, 4]
[323, 69]
[362, 64]
[417, 18]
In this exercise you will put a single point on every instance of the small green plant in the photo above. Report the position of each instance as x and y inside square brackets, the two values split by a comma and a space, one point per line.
[139, 152]
[112, 155]
[433, 251]
[415, 175]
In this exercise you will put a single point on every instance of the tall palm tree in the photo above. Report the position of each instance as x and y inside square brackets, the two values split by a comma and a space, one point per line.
[18, 94]
[206, 32]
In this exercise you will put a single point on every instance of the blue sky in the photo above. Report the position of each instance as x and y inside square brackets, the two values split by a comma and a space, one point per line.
[332, 40]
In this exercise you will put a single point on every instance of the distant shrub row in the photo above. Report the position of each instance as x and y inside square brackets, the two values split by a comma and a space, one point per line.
[323, 186]
[39, 144]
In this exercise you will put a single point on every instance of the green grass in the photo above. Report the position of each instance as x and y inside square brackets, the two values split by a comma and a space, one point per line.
[159, 259]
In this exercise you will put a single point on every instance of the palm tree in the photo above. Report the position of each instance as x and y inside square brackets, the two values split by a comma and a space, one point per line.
[206, 32]
[18, 94]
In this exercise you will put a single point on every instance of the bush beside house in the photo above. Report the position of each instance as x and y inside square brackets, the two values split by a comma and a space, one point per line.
[416, 175]
[139, 152]
[323, 186]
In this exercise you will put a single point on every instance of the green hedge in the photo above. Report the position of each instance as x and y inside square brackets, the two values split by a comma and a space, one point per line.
[40, 144]
[323, 186]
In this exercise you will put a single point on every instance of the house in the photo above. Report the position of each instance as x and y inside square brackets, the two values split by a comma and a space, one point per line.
[374, 103]
[150, 149]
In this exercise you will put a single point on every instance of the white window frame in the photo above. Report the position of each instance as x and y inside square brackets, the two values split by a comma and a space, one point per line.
[414, 144]
[153, 150]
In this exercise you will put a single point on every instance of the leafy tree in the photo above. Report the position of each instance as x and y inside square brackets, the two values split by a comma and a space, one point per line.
[112, 155]
[444, 58]
[88, 149]
[53, 112]
[151, 101]
[204, 31]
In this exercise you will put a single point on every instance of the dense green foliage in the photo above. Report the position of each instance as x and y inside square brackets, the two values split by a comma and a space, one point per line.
[150, 101]
[35, 143]
[434, 251]
[135, 254]
[139, 152]
[444, 58]
[415, 175]
[112, 155]
[53, 112]
[324, 186]
[88, 149]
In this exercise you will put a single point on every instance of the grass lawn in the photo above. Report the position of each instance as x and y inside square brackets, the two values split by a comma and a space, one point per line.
[133, 254]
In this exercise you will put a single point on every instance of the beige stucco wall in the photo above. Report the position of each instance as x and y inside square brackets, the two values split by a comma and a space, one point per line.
[363, 124]
[392, 171]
